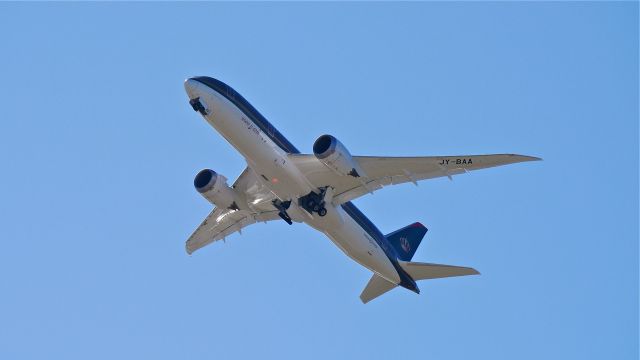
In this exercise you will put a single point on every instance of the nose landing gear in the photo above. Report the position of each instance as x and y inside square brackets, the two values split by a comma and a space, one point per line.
[197, 106]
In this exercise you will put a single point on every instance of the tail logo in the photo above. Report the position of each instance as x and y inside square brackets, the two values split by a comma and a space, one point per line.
[404, 243]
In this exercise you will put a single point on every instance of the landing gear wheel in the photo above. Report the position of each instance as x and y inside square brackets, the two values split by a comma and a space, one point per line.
[311, 204]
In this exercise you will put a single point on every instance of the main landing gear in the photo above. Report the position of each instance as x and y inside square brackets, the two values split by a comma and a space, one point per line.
[282, 207]
[313, 202]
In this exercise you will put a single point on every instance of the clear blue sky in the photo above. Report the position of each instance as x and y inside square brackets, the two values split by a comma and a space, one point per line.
[99, 147]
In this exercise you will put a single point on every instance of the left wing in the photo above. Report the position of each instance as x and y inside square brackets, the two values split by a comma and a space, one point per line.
[223, 222]
[383, 171]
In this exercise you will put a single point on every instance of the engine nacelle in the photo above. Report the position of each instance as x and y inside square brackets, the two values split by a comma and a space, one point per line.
[334, 155]
[214, 188]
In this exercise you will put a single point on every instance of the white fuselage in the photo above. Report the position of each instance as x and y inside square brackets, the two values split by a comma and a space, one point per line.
[286, 182]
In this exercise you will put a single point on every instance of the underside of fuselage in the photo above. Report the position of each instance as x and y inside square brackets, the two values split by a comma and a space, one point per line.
[263, 146]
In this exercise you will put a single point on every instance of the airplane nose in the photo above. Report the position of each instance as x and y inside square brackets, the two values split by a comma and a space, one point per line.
[194, 92]
[190, 86]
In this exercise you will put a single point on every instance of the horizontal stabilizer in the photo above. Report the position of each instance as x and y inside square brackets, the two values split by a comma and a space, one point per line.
[376, 287]
[423, 271]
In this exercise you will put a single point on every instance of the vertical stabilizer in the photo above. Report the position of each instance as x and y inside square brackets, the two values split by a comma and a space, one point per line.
[406, 240]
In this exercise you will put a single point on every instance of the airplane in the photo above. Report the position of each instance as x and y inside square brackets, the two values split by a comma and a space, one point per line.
[280, 183]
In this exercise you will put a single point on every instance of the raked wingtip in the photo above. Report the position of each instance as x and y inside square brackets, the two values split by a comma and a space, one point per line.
[528, 158]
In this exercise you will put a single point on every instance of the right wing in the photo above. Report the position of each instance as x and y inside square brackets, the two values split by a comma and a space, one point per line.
[223, 222]
[382, 171]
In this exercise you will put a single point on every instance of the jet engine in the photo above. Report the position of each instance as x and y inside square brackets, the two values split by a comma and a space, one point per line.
[334, 155]
[214, 188]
